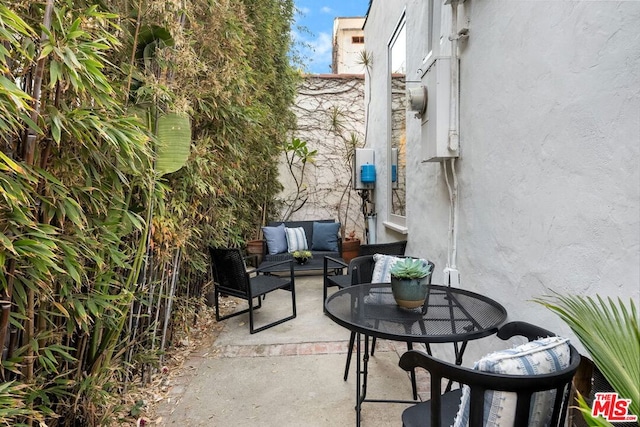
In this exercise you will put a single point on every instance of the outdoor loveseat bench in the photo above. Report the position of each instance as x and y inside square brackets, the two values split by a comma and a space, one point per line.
[321, 237]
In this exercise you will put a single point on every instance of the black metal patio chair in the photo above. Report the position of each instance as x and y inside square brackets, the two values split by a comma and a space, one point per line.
[344, 280]
[231, 277]
[442, 409]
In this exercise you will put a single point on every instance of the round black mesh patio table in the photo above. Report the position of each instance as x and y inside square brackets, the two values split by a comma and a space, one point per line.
[449, 315]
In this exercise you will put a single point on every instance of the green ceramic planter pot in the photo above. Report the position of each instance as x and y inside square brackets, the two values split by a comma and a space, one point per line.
[409, 293]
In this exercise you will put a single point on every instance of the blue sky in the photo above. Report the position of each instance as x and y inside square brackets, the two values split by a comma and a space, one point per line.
[316, 16]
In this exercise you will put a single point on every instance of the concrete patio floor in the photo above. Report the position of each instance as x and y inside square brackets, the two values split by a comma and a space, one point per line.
[289, 375]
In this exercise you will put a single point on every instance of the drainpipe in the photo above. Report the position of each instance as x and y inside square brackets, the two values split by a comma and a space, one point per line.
[451, 273]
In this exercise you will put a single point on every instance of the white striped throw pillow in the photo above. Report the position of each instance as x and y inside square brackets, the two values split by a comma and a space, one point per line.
[296, 239]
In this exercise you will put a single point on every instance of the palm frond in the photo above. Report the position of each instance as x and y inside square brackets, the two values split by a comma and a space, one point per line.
[608, 329]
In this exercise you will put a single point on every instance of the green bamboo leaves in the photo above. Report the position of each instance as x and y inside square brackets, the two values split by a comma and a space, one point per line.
[94, 245]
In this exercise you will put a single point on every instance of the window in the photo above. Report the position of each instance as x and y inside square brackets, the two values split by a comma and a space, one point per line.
[397, 55]
[357, 39]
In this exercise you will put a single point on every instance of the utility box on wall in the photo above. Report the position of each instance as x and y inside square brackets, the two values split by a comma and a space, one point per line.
[364, 169]
[435, 122]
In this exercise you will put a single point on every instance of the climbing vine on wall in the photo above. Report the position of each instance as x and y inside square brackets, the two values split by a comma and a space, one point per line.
[330, 118]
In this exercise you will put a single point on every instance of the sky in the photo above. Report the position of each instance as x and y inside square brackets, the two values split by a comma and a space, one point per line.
[313, 29]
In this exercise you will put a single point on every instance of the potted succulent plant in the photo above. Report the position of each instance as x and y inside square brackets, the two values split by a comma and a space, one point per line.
[302, 257]
[409, 280]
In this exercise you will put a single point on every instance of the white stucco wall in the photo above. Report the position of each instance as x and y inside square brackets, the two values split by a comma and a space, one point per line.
[548, 175]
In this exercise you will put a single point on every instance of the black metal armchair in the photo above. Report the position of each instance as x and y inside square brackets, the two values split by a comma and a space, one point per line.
[442, 409]
[231, 277]
[344, 280]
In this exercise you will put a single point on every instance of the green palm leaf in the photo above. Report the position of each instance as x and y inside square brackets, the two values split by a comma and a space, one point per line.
[609, 331]
[174, 141]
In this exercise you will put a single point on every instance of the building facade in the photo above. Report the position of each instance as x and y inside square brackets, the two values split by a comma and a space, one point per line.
[522, 145]
[348, 44]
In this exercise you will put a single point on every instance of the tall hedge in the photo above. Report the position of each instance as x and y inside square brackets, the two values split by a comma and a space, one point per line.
[103, 258]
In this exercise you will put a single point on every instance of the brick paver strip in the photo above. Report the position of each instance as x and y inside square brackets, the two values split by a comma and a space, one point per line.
[315, 348]
[298, 349]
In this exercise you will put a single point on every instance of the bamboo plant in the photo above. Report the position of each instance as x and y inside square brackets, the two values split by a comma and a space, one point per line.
[92, 235]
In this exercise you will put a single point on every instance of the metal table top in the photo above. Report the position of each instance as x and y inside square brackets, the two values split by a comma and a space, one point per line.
[449, 314]
[316, 263]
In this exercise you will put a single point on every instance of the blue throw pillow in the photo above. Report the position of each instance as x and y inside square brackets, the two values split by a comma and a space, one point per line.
[276, 239]
[325, 236]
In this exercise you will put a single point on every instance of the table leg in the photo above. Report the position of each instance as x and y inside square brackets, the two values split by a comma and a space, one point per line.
[365, 373]
[459, 352]
[358, 380]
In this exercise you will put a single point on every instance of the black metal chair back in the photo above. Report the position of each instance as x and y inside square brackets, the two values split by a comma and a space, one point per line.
[391, 248]
[442, 408]
[344, 280]
[229, 271]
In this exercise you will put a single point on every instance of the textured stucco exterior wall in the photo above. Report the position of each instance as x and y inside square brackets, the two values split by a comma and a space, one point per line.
[549, 174]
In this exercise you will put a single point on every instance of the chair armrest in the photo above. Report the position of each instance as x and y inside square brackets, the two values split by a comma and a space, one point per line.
[339, 265]
[251, 259]
[340, 262]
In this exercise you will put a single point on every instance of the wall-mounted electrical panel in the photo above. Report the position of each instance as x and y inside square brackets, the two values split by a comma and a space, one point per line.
[364, 169]
[435, 120]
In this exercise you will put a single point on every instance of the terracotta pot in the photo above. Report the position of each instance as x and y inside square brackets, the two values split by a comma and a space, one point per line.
[256, 247]
[350, 249]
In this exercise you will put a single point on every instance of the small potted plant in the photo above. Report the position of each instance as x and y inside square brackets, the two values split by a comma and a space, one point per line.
[302, 257]
[409, 280]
